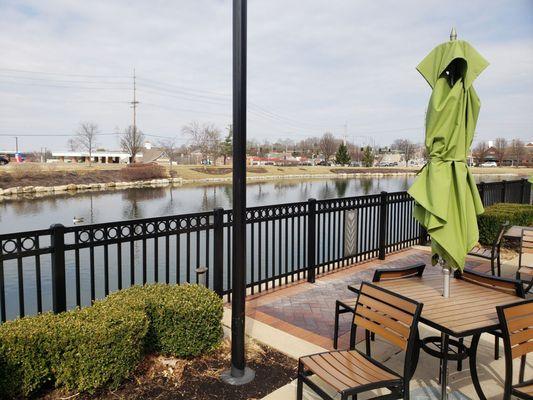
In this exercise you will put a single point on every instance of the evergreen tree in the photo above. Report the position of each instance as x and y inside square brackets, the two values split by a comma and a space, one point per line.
[368, 157]
[227, 145]
[342, 157]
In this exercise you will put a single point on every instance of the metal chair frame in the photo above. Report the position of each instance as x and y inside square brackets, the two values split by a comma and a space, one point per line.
[509, 388]
[399, 387]
[495, 251]
[343, 307]
[528, 283]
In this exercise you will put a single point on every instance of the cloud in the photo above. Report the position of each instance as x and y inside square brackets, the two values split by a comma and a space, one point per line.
[312, 66]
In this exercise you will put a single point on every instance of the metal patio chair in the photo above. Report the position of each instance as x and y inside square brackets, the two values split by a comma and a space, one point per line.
[516, 322]
[510, 286]
[349, 372]
[525, 266]
[348, 305]
[492, 254]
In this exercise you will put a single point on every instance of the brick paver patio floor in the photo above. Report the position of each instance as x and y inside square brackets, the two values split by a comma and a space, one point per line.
[307, 310]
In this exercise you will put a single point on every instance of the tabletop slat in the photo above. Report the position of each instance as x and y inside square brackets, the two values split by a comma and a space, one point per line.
[470, 307]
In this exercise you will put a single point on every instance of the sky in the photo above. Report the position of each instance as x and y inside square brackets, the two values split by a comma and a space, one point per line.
[343, 66]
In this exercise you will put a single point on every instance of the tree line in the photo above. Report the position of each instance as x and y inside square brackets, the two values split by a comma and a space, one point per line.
[503, 150]
[208, 140]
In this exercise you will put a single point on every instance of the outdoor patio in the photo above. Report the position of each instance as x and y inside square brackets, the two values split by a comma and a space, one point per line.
[298, 320]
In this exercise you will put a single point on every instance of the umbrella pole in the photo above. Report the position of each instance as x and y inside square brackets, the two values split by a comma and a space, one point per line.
[445, 278]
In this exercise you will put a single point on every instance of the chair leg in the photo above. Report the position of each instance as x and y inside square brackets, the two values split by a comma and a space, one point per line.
[460, 360]
[300, 384]
[492, 271]
[367, 343]
[406, 391]
[352, 337]
[373, 336]
[496, 348]
[499, 265]
[336, 328]
[522, 368]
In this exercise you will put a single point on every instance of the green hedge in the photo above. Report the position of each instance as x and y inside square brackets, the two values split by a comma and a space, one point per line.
[184, 320]
[27, 348]
[490, 221]
[101, 345]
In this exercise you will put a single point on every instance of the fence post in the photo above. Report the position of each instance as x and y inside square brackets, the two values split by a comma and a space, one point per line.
[311, 240]
[482, 192]
[218, 251]
[59, 290]
[382, 225]
[523, 190]
[423, 238]
[504, 187]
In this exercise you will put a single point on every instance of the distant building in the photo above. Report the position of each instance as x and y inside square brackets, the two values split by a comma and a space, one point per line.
[102, 157]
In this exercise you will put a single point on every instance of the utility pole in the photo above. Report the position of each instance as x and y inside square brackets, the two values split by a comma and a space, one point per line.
[134, 103]
[345, 133]
[16, 144]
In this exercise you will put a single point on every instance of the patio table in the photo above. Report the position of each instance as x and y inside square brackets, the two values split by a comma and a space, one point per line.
[469, 311]
[515, 232]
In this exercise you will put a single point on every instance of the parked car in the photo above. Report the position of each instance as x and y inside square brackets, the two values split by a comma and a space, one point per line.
[4, 160]
[488, 164]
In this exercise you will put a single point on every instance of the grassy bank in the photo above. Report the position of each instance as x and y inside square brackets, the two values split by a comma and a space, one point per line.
[34, 174]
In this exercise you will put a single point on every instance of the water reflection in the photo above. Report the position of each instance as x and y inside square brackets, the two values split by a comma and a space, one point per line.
[105, 206]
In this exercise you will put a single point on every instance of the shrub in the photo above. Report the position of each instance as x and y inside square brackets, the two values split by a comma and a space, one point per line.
[185, 320]
[26, 350]
[139, 172]
[490, 221]
[100, 345]
[80, 349]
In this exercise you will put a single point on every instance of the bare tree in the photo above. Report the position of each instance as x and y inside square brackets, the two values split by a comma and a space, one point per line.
[205, 138]
[355, 152]
[72, 144]
[406, 147]
[480, 151]
[132, 141]
[327, 145]
[170, 149]
[500, 146]
[85, 138]
[518, 150]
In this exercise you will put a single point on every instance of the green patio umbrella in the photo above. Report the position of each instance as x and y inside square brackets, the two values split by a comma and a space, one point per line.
[447, 201]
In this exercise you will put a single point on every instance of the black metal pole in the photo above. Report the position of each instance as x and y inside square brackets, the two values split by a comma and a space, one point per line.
[239, 374]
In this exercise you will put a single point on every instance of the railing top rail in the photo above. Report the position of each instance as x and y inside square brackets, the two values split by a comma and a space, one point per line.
[24, 234]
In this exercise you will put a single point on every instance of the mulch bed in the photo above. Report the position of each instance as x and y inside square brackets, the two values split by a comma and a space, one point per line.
[198, 379]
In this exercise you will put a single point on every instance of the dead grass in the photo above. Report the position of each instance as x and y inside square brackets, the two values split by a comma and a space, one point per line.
[36, 174]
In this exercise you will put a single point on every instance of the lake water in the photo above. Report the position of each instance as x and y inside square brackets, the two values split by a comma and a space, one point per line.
[95, 207]
[22, 280]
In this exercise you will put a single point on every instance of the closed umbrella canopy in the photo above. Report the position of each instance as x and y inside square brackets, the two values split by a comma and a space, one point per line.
[447, 201]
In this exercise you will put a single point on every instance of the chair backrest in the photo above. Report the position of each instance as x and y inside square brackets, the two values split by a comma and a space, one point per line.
[391, 316]
[526, 247]
[498, 240]
[516, 322]
[399, 273]
[511, 286]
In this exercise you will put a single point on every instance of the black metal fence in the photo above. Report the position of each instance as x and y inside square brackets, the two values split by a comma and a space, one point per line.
[63, 267]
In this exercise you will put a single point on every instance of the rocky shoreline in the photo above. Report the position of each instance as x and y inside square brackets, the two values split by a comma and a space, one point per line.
[25, 192]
